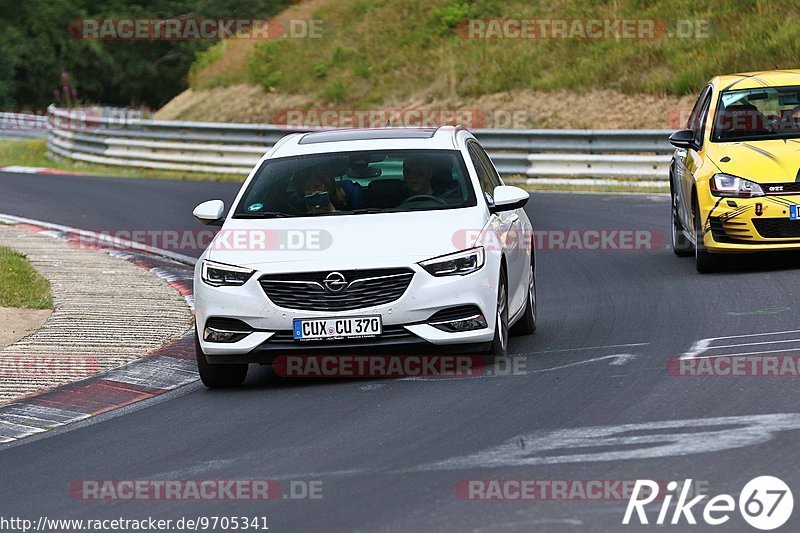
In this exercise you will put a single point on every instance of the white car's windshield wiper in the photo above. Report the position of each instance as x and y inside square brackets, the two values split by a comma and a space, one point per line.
[267, 214]
[363, 211]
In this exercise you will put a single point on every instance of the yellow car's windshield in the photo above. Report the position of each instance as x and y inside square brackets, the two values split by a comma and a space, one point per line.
[757, 114]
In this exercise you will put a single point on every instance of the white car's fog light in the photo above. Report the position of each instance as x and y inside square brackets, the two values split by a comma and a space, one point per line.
[463, 324]
[218, 335]
[225, 330]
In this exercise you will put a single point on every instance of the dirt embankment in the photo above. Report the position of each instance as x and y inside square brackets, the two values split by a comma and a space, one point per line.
[601, 109]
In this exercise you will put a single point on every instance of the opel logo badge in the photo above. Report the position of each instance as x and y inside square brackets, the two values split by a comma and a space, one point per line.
[335, 282]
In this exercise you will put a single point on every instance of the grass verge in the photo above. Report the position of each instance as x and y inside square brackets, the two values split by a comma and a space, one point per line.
[33, 153]
[20, 284]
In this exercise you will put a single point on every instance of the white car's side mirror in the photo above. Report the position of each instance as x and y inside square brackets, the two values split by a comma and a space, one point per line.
[508, 198]
[210, 213]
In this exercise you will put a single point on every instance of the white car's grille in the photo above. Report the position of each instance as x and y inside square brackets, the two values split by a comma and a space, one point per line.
[340, 290]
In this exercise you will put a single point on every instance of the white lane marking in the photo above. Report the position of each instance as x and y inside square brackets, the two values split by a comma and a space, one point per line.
[697, 348]
[755, 334]
[372, 387]
[622, 359]
[706, 345]
[752, 344]
[587, 348]
[670, 438]
[713, 356]
[617, 360]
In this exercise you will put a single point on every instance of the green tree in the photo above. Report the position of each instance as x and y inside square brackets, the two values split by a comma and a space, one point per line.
[37, 47]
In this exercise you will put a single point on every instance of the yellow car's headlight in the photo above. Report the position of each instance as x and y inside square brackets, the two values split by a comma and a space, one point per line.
[726, 185]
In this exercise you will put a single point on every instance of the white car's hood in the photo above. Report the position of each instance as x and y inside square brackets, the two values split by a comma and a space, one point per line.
[345, 241]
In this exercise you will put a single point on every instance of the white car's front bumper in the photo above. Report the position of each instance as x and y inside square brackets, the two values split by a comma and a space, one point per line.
[424, 296]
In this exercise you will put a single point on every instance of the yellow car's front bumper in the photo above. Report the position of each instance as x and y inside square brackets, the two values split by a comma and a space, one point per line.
[751, 224]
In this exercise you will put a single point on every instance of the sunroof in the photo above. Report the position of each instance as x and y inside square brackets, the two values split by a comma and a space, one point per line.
[367, 134]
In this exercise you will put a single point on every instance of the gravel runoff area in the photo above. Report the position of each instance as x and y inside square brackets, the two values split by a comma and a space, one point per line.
[107, 312]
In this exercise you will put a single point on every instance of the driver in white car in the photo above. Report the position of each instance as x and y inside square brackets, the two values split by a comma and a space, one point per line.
[417, 174]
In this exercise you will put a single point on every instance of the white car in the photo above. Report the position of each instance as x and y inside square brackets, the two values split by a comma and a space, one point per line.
[347, 239]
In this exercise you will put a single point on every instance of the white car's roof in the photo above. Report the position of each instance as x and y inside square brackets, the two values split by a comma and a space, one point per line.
[347, 140]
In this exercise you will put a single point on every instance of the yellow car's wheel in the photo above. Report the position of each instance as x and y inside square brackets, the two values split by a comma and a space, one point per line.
[681, 246]
[705, 262]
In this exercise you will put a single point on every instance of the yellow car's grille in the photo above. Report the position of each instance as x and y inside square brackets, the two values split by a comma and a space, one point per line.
[777, 228]
[730, 230]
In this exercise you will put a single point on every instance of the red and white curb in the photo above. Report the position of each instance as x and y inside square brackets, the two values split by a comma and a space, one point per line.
[168, 368]
[165, 370]
[19, 169]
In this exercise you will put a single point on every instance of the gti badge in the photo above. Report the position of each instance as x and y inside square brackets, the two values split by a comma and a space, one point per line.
[776, 188]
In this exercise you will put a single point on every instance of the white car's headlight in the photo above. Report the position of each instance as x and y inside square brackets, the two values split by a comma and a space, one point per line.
[457, 264]
[727, 185]
[218, 275]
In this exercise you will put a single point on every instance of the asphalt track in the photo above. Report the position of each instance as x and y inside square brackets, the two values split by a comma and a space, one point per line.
[390, 453]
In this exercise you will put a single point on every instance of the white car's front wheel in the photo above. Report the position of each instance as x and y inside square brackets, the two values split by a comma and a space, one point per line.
[500, 343]
[218, 376]
[527, 322]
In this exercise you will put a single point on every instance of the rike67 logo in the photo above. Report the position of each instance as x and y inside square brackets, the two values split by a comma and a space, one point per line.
[765, 503]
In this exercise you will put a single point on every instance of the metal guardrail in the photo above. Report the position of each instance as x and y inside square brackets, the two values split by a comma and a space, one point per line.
[96, 137]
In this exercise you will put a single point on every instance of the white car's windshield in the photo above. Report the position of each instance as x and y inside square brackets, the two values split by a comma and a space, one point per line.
[358, 182]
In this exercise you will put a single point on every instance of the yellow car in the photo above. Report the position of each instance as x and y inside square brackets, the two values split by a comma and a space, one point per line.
[735, 175]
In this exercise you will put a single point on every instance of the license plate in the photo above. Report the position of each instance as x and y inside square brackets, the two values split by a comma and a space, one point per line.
[336, 328]
[793, 212]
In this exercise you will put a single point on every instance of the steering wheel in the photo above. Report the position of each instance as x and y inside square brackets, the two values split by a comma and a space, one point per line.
[796, 114]
[772, 123]
[422, 198]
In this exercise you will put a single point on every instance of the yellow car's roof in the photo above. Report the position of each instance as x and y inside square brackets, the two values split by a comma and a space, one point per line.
[753, 80]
